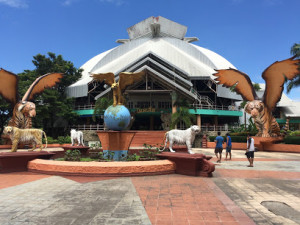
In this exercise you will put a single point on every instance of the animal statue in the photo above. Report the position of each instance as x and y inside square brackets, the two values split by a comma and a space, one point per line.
[33, 136]
[186, 137]
[24, 110]
[125, 79]
[261, 109]
[76, 136]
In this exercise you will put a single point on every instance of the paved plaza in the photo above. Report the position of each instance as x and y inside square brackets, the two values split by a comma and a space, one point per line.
[268, 193]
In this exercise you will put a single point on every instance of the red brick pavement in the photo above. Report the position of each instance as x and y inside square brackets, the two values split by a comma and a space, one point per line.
[13, 179]
[246, 174]
[214, 159]
[177, 199]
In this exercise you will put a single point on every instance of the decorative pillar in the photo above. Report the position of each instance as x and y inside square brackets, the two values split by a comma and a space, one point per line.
[151, 122]
[199, 120]
[174, 108]
[216, 120]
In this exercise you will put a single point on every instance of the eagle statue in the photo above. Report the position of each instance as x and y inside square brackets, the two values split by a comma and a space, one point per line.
[261, 109]
[24, 109]
[125, 79]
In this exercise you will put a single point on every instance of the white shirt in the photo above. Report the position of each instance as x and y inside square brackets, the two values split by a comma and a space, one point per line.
[251, 147]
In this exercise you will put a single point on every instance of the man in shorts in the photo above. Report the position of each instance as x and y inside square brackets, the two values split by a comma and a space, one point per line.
[219, 147]
[228, 146]
[250, 150]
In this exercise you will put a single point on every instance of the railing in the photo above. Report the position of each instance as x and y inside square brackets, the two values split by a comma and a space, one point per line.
[82, 107]
[89, 127]
[203, 128]
[195, 106]
[218, 128]
[215, 107]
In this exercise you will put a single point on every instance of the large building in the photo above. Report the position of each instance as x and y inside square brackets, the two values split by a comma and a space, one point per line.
[173, 66]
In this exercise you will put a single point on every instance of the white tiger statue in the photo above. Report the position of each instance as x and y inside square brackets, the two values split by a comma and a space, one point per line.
[33, 136]
[182, 137]
[76, 136]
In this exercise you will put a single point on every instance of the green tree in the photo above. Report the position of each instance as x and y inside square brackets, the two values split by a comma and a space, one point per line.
[295, 50]
[5, 113]
[54, 109]
[182, 114]
[101, 105]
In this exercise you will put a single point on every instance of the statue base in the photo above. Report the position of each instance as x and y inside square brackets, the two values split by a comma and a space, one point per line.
[190, 164]
[17, 161]
[262, 142]
[115, 144]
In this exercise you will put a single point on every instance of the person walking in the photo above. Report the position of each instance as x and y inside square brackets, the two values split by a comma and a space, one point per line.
[250, 150]
[219, 147]
[228, 146]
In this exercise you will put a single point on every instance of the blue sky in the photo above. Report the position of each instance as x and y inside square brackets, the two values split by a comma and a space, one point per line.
[251, 34]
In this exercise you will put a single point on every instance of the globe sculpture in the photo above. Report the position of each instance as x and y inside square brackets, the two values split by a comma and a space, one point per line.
[115, 142]
[117, 117]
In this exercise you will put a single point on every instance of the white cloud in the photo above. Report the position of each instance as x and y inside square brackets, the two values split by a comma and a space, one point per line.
[15, 3]
[115, 2]
[69, 2]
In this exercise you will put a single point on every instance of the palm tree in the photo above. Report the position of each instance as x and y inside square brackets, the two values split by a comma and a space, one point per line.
[100, 106]
[295, 50]
[182, 114]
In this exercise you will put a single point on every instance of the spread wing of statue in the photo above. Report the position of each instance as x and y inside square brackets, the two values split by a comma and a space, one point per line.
[125, 79]
[24, 110]
[261, 109]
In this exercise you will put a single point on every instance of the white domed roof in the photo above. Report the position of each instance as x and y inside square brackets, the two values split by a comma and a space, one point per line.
[171, 48]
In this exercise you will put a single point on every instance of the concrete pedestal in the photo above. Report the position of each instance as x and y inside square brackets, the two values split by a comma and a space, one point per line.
[262, 142]
[115, 144]
[17, 161]
[190, 164]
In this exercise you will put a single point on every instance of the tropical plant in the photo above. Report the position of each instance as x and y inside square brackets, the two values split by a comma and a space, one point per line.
[295, 50]
[5, 113]
[182, 113]
[101, 105]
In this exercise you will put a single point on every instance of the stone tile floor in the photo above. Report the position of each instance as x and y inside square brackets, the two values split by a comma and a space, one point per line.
[236, 194]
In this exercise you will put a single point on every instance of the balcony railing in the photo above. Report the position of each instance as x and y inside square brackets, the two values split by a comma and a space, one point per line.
[196, 106]
[83, 107]
[218, 128]
[215, 107]
[89, 127]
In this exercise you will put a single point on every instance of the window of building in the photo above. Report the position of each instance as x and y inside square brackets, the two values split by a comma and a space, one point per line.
[164, 105]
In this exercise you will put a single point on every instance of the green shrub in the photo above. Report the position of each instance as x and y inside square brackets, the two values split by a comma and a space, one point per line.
[72, 155]
[239, 139]
[243, 134]
[133, 157]
[61, 140]
[87, 159]
[50, 140]
[294, 140]
[295, 133]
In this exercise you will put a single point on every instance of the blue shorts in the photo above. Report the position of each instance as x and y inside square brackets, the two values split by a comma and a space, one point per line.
[228, 148]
